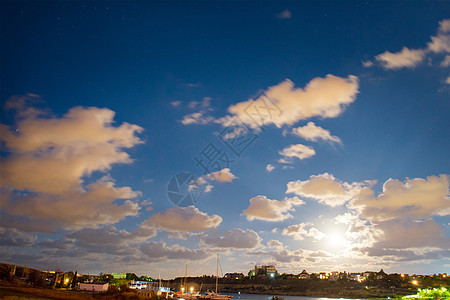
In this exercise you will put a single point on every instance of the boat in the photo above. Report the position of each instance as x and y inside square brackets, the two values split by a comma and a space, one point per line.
[216, 295]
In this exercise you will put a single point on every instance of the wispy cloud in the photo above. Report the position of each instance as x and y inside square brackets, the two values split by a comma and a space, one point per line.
[285, 14]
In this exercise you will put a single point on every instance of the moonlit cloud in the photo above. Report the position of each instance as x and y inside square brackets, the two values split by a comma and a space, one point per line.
[312, 132]
[183, 219]
[270, 168]
[176, 103]
[51, 157]
[416, 198]
[441, 42]
[262, 208]
[367, 64]
[406, 58]
[411, 58]
[325, 188]
[160, 250]
[14, 237]
[285, 14]
[322, 97]
[223, 175]
[446, 61]
[303, 230]
[234, 238]
[299, 151]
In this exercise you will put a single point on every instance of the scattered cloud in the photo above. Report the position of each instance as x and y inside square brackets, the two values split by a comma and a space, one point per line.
[325, 188]
[302, 230]
[183, 219]
[299, 151]
[50, 158]
[406, 58]
[283, 104]
[176, 103]
[285, 14]
[270, 168]
[311, 132]
[106, 234]
[416, 198]
[441, 42]
[406, 234]
[13, 237]
[367, 64]
[447, 81]
[202, 116]
[234, 238]
[411, 58]
[446, 61]
[159, 250]
[223, 175]
[262, 208]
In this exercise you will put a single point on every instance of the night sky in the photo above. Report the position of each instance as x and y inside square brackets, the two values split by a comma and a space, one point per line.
[140, 136]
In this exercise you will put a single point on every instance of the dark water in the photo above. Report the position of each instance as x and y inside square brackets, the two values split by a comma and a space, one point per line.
[269, 297]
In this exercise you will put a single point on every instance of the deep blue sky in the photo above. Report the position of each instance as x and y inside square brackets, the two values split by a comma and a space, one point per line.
[149, 61]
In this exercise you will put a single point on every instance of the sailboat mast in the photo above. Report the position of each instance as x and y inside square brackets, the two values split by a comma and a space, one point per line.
[185, 280]
[217, 275]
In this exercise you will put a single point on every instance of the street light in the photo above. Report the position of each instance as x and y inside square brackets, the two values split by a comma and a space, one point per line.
[192, 289]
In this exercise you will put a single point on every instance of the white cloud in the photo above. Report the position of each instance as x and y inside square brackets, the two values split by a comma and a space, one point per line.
[270, 168]
[302, 230]
[156, 251]
[283, 104]
[325, 188]
[51, 156]
[223, 175]
[447, 81]
[183, 219]
[311, 132]
[446, 61]
[176, 103]
[299, 151]
[262, 208]
[367, 64]
[201, 116]
[441, 42]
[285, 14]
[416, 198]
[234, 238]
[411, 234]
[444, 26]
[410, 58]
[406, 58]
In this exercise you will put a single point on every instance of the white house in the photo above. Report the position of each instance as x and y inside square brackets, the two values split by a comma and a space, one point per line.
[94, 287]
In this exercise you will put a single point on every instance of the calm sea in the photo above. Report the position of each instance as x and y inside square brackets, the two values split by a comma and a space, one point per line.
[269, 297]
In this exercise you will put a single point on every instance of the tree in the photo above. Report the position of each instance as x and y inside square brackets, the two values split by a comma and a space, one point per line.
[35, 278]
[74, 280]
[132, 276]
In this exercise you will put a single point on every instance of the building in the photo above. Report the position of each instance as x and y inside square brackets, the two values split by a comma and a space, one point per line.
[334, 276]
[94, 287]
[355, 277]
[269, 270]
[303, 275]
[323, 275]
[234, 276]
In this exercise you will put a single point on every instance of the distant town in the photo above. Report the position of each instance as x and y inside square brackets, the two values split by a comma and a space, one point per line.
[263, 279]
